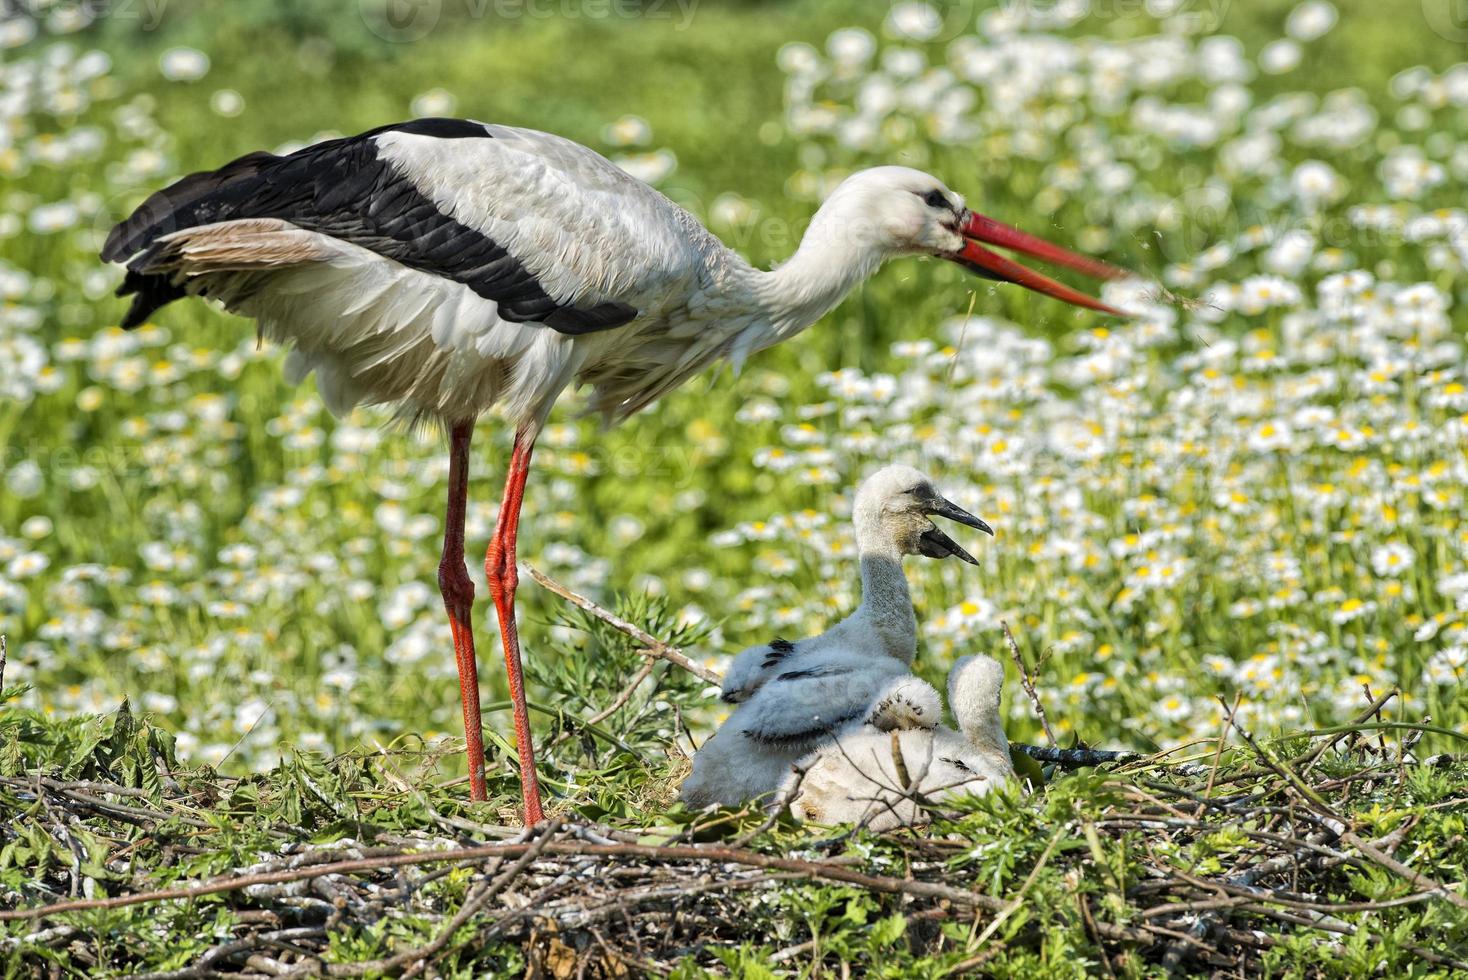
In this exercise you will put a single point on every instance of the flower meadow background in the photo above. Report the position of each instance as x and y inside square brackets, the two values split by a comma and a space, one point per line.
[1252, 490]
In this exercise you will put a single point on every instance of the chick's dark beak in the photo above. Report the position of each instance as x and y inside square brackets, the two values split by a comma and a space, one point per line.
[933, 543]
[950, 510]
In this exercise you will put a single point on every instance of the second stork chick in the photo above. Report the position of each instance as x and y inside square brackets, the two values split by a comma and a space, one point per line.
[793, 696]
[888, 777]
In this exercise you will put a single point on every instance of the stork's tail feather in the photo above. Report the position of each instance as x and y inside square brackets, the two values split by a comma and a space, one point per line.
[188, 202]
[182, 204]
[170, 267]
[149, 294]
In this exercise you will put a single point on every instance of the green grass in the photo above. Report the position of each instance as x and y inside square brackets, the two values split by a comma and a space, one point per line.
[1103, 872]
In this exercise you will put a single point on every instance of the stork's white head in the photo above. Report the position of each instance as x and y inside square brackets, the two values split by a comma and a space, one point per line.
[884, 212]
[892, 514]
[899, 210]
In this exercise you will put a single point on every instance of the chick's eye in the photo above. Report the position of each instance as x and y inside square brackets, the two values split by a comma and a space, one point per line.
[935, 199]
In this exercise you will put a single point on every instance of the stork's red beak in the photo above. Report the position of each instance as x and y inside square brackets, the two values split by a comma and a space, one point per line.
[976, 228]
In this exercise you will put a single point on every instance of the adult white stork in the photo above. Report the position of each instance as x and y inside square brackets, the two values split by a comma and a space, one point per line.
[448, 267]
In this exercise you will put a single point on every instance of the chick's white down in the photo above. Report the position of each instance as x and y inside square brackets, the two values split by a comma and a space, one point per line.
[887, 779]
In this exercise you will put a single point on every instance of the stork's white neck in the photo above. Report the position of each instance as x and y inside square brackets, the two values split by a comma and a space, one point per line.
[836, 254]
[984, 730]
[973, 696]
[886, 605]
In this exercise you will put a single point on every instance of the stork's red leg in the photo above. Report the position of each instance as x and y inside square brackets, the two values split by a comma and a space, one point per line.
[499, 569]
[458, 599]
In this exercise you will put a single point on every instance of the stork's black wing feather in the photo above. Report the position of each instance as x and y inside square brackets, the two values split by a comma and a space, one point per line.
[342, 188]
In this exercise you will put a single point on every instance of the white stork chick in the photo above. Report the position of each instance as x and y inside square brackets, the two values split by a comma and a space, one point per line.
[793, 696]
[887, 779]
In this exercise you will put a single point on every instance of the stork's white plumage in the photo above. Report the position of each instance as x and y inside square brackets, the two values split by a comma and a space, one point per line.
[793, 696]
[448, 267]
[887, 779]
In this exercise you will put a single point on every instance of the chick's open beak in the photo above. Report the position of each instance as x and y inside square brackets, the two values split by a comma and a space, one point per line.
[933, 543]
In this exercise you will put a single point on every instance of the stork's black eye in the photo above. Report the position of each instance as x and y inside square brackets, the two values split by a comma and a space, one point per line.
[935, 199]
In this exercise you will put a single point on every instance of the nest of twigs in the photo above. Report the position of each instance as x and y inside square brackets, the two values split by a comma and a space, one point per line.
[1221, 865]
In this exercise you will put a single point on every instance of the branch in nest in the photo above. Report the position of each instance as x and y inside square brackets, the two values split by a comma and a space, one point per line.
[1348, 836]
[827, 870]
[1076, 758]
[1028, 683]
[652, 647]
[418, 959]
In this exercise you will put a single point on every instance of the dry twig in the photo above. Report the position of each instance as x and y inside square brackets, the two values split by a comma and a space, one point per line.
[1028, 683]
[651, 646]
